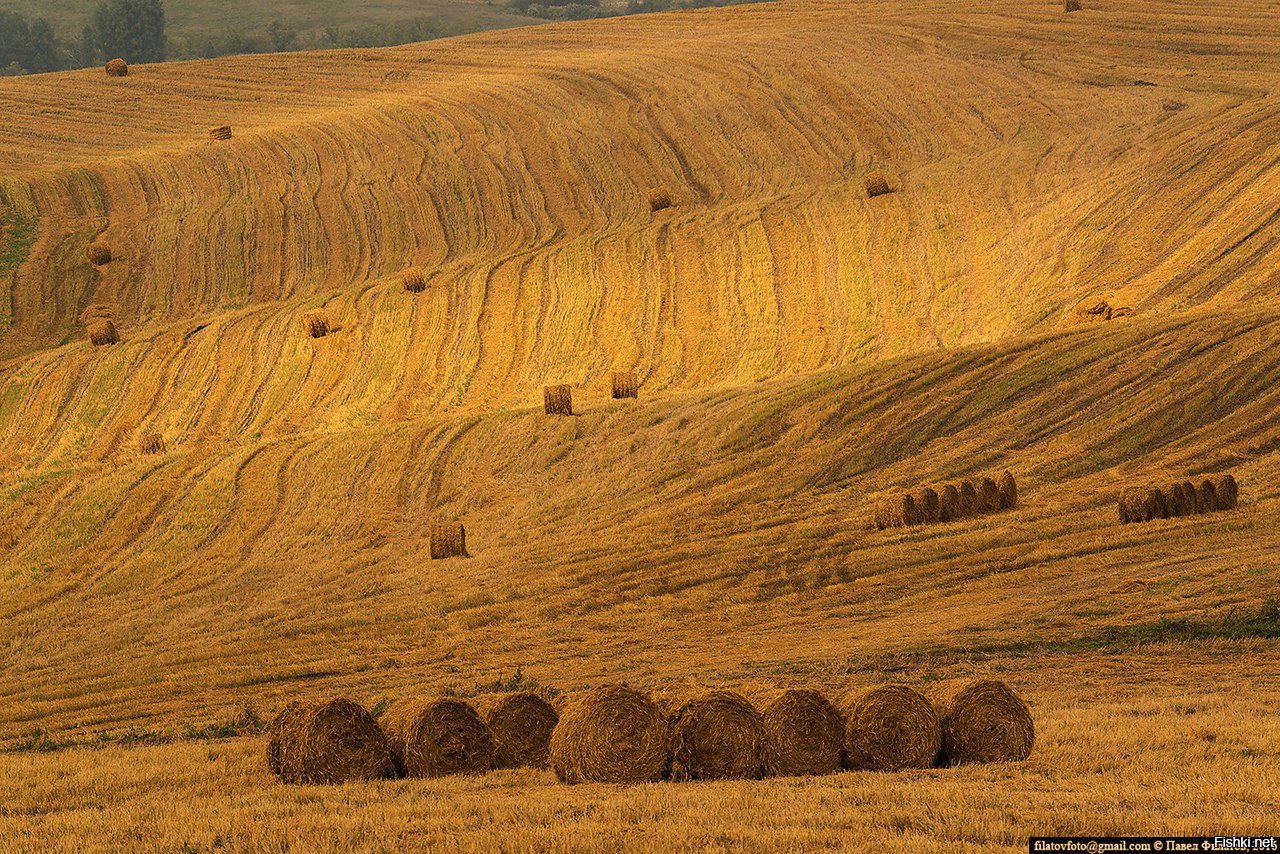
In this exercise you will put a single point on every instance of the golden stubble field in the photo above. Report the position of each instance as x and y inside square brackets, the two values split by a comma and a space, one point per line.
[801, 348]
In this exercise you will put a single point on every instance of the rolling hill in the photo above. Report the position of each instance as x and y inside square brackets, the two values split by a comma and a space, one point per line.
[802, 348]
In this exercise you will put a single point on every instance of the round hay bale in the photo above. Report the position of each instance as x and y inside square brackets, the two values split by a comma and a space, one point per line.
[890, 728]
[715, 735]
[117, 68]
[413, 280]
[1141, 504]
[876, 185]
[949, 503]
[970, 501]
[102, 332]
[448, 540]
[557, 399]
[152, 443]
[984, 721]
[895, 511]
[328, 741]
[988, 496]
[803, 732]
[928, 505]
[659, 200]
[1226, 491]
[1182, 502]
[435, 737]
[610, 734]
[521, 724]
[1071, 5]
[1208, 496]
[98, 253]
[1008, 491]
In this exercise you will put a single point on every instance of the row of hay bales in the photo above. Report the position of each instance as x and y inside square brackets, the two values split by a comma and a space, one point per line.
[928, 505]
[1184, 498]
[616, 734]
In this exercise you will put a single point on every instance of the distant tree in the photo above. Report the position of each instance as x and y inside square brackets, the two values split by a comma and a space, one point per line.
[27, 47]
[283, 36]
[132, 29]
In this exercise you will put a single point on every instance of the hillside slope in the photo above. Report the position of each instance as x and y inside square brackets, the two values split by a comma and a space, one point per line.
[802, 347]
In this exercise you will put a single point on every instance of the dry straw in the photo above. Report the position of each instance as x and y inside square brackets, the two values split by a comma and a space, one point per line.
[220, 132]
[890, 728]
[102, 331]
[715, 735]
[521, 724]
[1226, 491]
[610, 734]
[152, 443]
[659, 200]
[327, 741]
[558, 399]
[803, 732]
[435, 737]
[876, 185]
[1207, 495]
[413, 280]
[969, 499]
[984, 721]
[625, 385]
[895, 511]
[448, 540]
[988, 496]
[950, 507]
[99, 253]
[928, 506]
[316, 324]
[1008, 491]
[117, 68]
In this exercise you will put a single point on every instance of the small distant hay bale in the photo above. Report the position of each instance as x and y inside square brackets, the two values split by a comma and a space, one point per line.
[876, 185]
[436, 737]
[928, 505]
[220, 132]
[1008, 488]
[715, 735]
[890, 728]
[984, 721]
[1226, 491]
[448, 539]
[659, 200]
[117, 68]
[988, 496]
[949, 505]
[316, 324]
[152, 443]
[413, 280]
[610, 734]
[895, 511]
[625, 385]
[970, 500]
[558, 399]
[328, 741]
[803, 732]
[1141, 504]
[102, 331]
[99, 253]
[1207, 495]
[1181, 500]
[1071, 5]
[521, 724]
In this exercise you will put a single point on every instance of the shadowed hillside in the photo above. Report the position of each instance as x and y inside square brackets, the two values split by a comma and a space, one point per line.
[802, 349]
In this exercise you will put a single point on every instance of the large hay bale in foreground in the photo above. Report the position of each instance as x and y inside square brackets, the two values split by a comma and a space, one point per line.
[984, 721]
[715, 735]
[895, 511]
[99, 253]
[220, 132]
[610, 734]
[876, 185]
[316, 324]
[102, 332]
[1226, 491]
[950, 507]
[328, 741]
[890, 728]
[413, 280]
[448, 539]
[117, 68]
[625, 385]
[152, 443]
[1207, 494]
[659, 200]
[558, 399]
[928, 505]
[521, 724]
[803, 732]
[439, 736]
[1008, 488]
